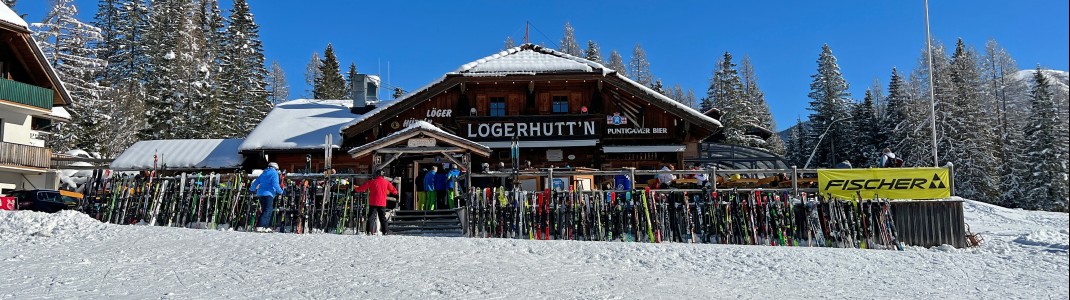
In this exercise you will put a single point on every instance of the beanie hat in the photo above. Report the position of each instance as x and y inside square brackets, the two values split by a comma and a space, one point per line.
[273, 165]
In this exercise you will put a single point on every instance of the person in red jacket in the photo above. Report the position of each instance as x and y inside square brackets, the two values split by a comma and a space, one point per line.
[377, 189]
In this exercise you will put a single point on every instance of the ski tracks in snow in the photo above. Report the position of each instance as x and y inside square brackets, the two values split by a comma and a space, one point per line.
[65, 256]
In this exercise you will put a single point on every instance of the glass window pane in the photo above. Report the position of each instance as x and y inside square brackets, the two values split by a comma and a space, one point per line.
[560, 104]
[497, 106]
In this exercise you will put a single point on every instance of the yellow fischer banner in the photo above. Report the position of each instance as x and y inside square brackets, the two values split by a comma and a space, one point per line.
[892, 183]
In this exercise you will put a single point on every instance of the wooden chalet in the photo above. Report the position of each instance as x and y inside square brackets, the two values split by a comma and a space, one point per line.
[32, 97]
[562, 110]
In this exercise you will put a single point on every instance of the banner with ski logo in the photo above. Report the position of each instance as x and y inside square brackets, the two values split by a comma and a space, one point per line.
[892, 183]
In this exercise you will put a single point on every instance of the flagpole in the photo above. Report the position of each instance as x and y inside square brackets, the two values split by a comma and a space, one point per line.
[932, 92]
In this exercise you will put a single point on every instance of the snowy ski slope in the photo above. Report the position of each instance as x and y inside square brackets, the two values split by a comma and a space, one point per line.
[69, 255]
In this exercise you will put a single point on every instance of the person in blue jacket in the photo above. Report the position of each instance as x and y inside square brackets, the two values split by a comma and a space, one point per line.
[442, 187]
[452, 177]
[266, 187]
[429, 189]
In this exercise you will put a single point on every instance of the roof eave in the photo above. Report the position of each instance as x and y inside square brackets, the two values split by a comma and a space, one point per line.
[713, 127]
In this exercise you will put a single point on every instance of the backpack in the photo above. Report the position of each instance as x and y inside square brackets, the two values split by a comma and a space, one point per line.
[895, 162]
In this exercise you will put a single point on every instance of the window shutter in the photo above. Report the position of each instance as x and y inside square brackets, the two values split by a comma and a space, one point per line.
[482, 105]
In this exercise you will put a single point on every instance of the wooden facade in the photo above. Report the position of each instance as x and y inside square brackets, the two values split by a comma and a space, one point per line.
[559, 118]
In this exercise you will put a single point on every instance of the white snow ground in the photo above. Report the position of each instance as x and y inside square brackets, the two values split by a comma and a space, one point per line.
[69, 255]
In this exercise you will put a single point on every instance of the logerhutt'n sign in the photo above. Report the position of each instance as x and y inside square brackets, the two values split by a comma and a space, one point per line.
[530, 127]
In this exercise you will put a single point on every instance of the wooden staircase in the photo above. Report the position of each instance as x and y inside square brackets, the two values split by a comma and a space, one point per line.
[446, 222]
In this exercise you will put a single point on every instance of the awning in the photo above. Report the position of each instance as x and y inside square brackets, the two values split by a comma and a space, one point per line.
[542, 144]
[643, 149]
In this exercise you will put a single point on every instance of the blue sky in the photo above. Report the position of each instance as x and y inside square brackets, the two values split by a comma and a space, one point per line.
[421, 40]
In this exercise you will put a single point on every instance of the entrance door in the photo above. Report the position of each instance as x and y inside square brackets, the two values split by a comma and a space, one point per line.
[406, 197]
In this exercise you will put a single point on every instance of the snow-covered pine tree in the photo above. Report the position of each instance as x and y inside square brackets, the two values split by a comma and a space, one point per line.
[796, 149]
[107, 20]
[945, 94]
[691, 99]
[738, 114]
[678, 94]
[706, 104]
[68, 44]
[593, 53]
[971, 137]
[890, 131]
[880, 103]
[331, 84]
[616, 62]
[915, 146]
[830, 112]
[1007, 98]
[312, 74]
[773, 143]
[200, 108]
[1016, 167]
[865, 133]
[658, 87]
[214, 112]
[278, 89]
[349, 81]
[164, 91]
[244, 76]
[753, 94]
[725, 85]
[1047, 181]
[398, 92]
[509, 43]
[639, 67]
[125, 72]
[568, 42]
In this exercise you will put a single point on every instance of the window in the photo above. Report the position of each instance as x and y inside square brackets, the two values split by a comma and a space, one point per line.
[40, 123]
[497, 106]
[560, 104]
[372, 90]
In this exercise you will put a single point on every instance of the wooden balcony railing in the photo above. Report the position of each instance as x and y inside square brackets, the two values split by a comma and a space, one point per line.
[24, 155]
[28, 94]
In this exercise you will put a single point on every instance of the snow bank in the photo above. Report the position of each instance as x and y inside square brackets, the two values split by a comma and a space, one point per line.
[1014, 230]
[18, 226]
[1024, 257]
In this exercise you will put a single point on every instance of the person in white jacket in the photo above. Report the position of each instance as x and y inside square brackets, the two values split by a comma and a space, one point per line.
[888, 159]
[665, 178]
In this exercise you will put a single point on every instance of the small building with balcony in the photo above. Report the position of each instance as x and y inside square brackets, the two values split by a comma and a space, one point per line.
[31, 98]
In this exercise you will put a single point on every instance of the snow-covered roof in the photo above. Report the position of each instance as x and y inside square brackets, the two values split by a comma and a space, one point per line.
[418, 128]
[528, 59]
[383, 105]
[300, 124]
[9, 16]
[59, 113]
[180, 155]
[374, 78]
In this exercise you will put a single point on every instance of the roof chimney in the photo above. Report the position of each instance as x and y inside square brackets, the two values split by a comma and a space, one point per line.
[365, 93]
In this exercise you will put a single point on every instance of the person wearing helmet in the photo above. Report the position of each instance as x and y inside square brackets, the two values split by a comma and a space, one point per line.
[266, 187]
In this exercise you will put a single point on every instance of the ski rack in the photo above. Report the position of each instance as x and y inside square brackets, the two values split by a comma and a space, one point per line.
[792, 173]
